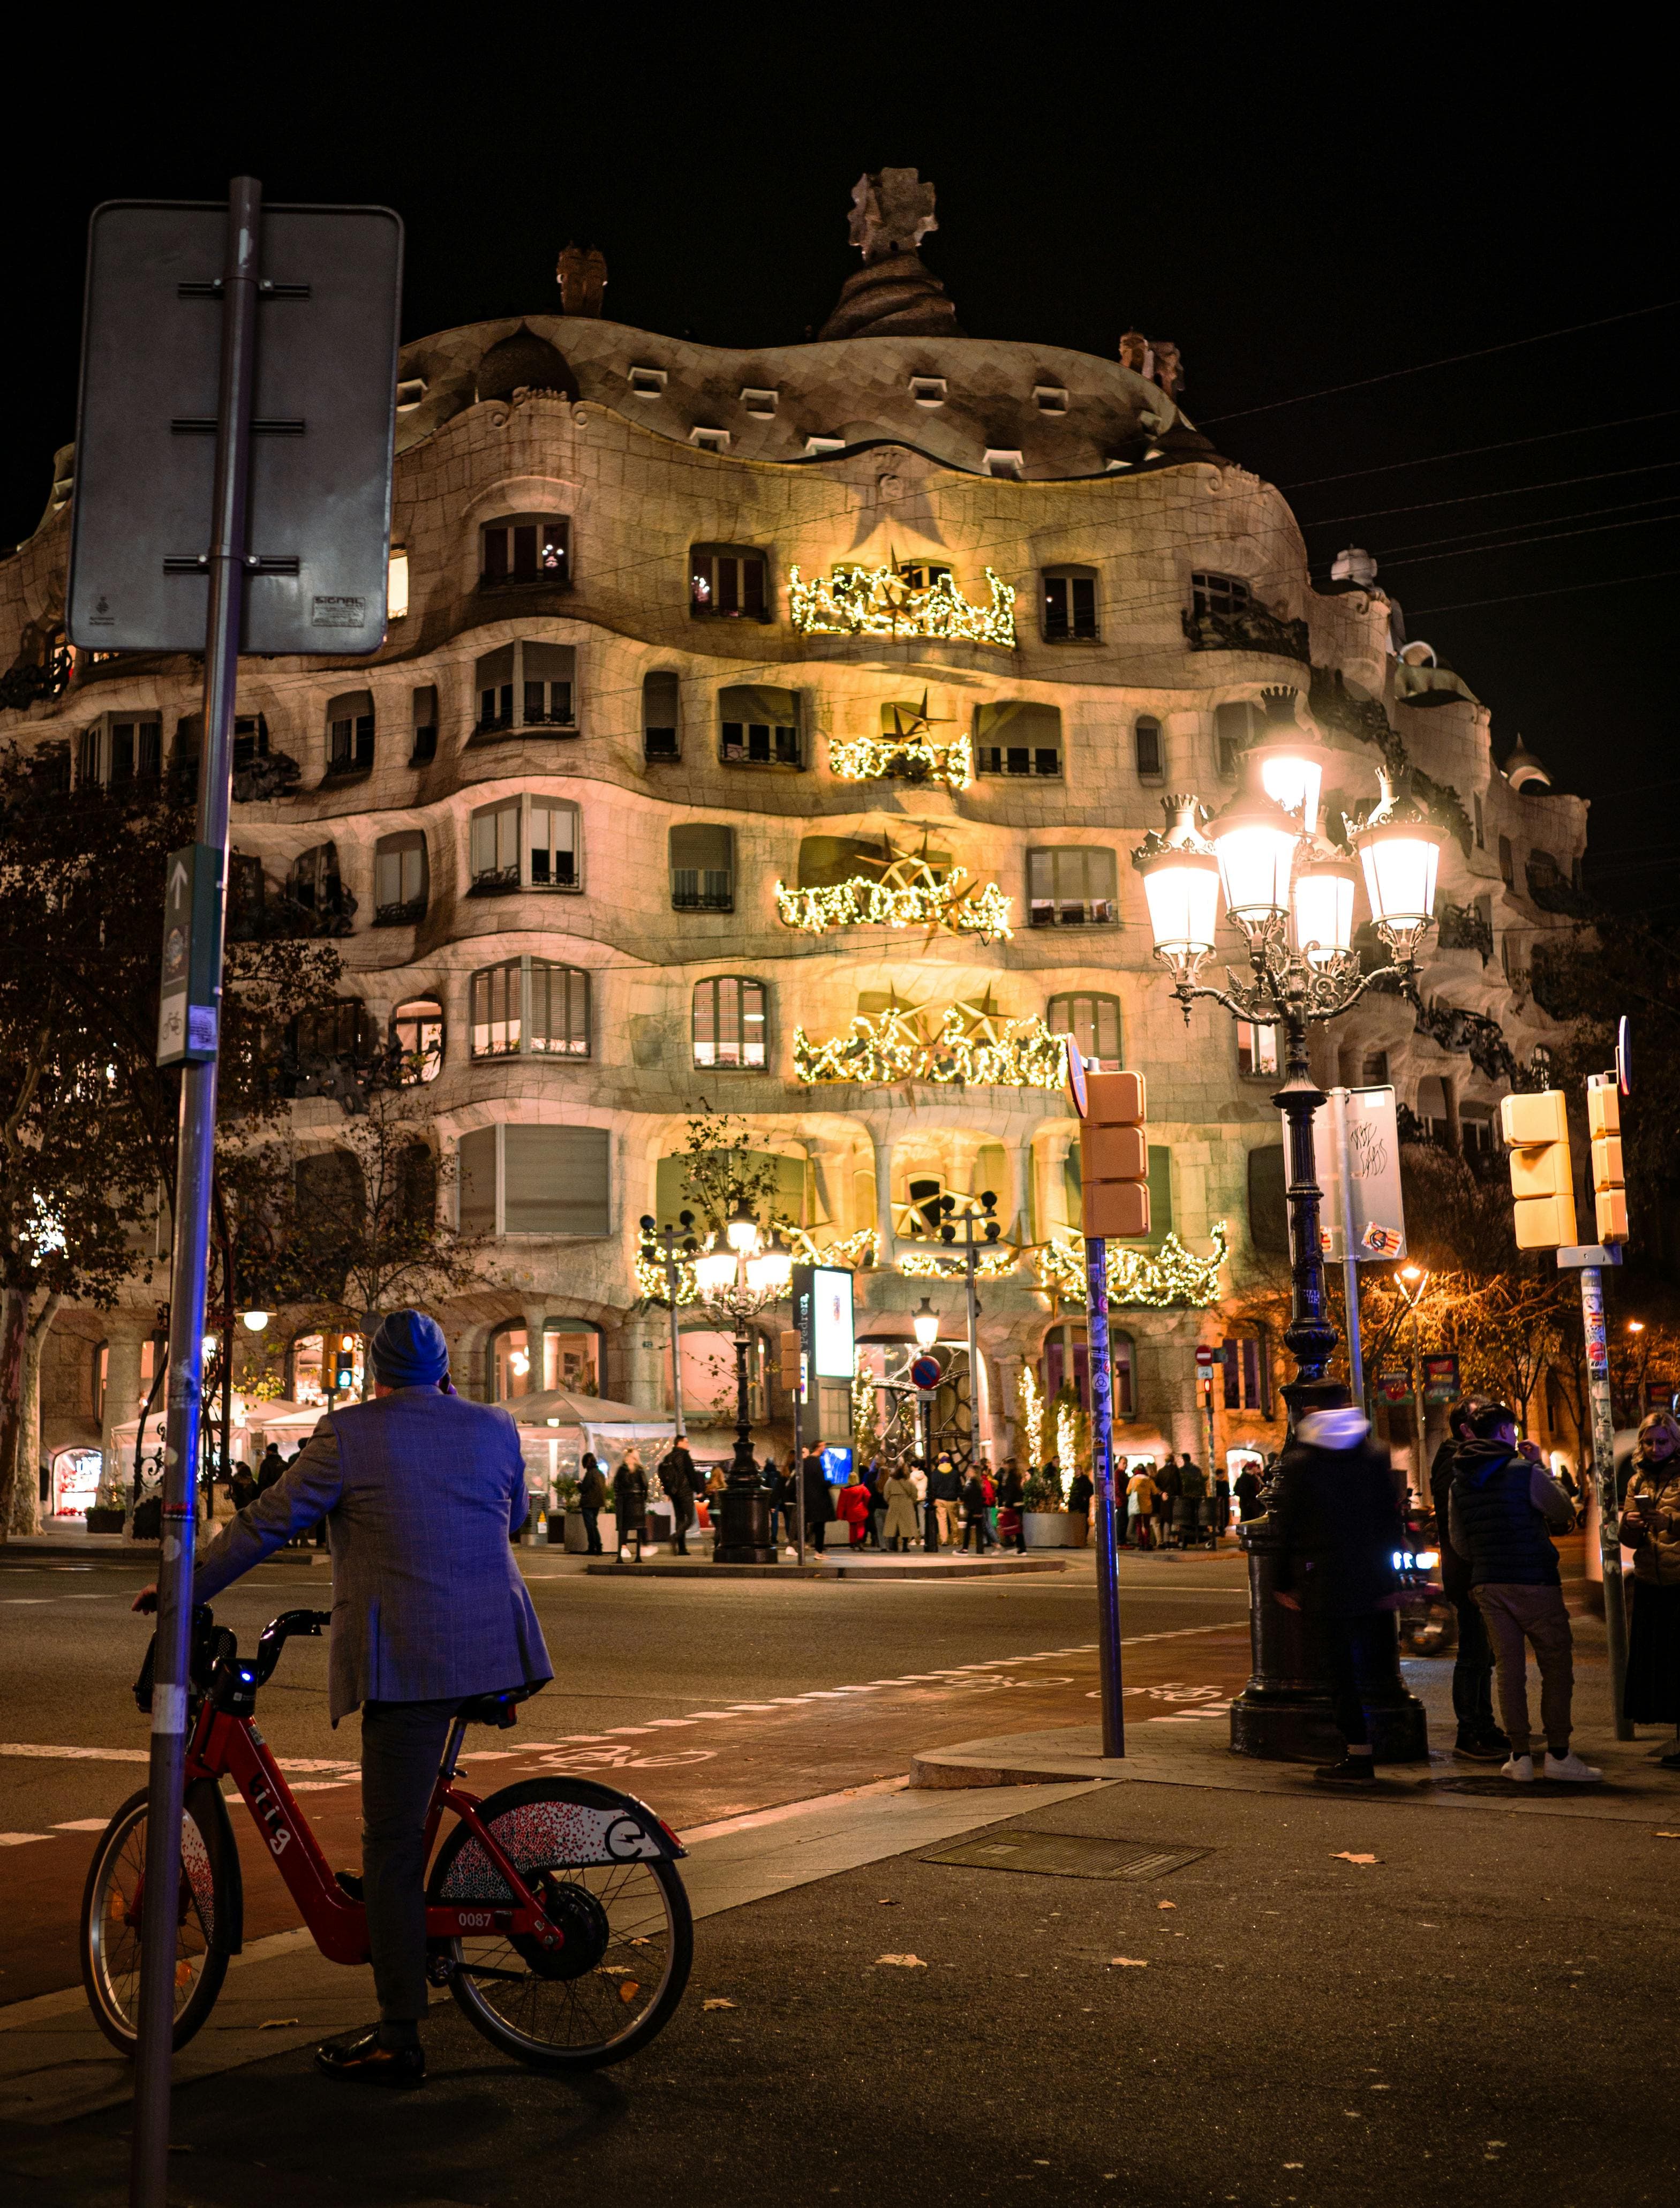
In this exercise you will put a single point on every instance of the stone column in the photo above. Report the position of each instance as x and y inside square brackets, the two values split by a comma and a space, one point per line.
[884, 1197]
[122, 1398]
[643, 1361]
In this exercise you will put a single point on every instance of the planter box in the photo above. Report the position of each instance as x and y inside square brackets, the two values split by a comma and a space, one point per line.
[106, 1520]
[1048, 1529]
[577, 1536]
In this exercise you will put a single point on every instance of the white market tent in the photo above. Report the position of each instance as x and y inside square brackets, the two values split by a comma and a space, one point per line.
[557, 1425]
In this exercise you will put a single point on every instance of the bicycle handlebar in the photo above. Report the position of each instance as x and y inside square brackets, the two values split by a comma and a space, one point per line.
[279, 1630]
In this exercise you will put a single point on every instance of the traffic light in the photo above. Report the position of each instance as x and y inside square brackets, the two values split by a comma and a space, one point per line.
[790, 1348]
[1114, 1156]
[1603, 1124]
[1537, 1134]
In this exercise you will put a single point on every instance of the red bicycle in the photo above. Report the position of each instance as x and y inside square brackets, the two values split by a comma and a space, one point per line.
[554, 1911]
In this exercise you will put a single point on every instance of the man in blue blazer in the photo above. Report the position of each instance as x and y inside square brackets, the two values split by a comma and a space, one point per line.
[420, 1490]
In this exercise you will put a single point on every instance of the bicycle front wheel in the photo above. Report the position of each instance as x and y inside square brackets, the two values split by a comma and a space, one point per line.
[629, 1939]
[113, 1908]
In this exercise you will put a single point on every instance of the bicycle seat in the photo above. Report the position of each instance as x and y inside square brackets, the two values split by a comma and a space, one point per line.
[494, 1709]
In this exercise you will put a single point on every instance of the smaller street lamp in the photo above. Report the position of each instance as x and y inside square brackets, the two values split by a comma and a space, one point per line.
[926, 1322]
[256, 1320]
[737, 1283]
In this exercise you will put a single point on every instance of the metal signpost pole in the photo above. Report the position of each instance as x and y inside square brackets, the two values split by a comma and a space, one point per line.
[1350, 1263]
[148, 2182]
[1102, 1452]
[671, 1271]
[1603, 1479]
[976, 1438]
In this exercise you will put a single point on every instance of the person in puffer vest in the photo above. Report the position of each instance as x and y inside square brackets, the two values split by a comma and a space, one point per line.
[1501, 1503]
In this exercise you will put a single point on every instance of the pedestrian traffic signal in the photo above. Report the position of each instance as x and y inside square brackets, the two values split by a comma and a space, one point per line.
[791, 1348]
[1603, 1124]
[1537, 1134]
[1114, 1156]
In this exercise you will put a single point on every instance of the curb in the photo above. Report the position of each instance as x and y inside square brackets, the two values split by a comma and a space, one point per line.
[699, 1570]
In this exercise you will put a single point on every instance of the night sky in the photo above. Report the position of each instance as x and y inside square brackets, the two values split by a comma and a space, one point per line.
[1367, 196]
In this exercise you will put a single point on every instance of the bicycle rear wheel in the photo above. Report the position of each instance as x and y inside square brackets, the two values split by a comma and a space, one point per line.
[112, 1913]
[590, 1855]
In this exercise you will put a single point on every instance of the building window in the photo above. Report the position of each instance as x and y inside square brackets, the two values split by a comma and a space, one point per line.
[1016, 737]
[396, 585]
[1218, 594]
[250, 739]
[349, 732]
[1247, 1375]
[1122, 1355]
[338, 1031]
[1073, 887]
[662, 719]
[1475, 1128]
[730, 1023]
[647, 382]
[416, 1036]
[425, 725]
[1433, 1115]
[1257, 1050]
[1070, 605]
[1049, 398]
[535, 1180]
[929, 390]
[527, 686]
[1149, 749]
[314, 884]
[727, 582]
[530, 1008]
[1093, 1022]
[759, 726]
[1506, 862]
[1004, 462]
[117, 754]
[702, 855]
[399, 878]
[1481, 839]
[1236, 726]
[1374, 1070]
[525, 547]
[1268, 1200]
[526, 842]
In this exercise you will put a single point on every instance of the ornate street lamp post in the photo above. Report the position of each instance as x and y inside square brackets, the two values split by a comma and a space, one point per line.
[925, 1325]
[1261, 858]
[736, 1284]
[990, 1231]
[660, 1249]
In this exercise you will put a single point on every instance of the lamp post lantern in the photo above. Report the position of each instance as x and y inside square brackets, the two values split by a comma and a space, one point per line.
[1291, 896]
[990, 1230]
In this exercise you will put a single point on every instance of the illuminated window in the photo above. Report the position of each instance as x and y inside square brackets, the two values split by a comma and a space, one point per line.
[1094, 1021]
[527, 686]
[510, 1361]
[661, 718]
[417, 1032]
[400, 879]
[759, 726]
[730, 1023]
[572, 1355]
[727, 582]
[922, 574]
[396, 586]
[526, 842]
[1256, 1049]
[349, 732]
[1070, 605]
[1072, 887]
[530, 1008]
[1018, 737]
[1149, 749]
[1219, 594]
[702, 859]
[525, 547]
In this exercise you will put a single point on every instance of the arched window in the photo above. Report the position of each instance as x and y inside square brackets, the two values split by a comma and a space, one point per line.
[508, 1361]
[573, 1356]
[729, 1022]
[525, 547]
[531, 1007]
[1431, 1107]
[349, 732]
[526, 842]
[400, 879]
[661, 717]
[1149, 748]
[416, 1034]
[1070, 605]
[1094, 1021]
[1218, 594]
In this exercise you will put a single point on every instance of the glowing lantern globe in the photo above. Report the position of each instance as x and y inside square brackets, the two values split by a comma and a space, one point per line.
[1324, 897]
[1400, 850]
[1254, 841]
[1181, 884]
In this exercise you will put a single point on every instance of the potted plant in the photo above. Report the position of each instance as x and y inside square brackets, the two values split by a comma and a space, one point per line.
[1044, 1519]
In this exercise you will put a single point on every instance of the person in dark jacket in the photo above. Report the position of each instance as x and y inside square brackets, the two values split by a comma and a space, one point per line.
[1651, 1528]
[1333, 1504]
[1479, 1738]
[630, 1500]
[818, 1497]
[272, 1465]
[873, 1477]
[1499, 1505]
[1188, 1506]
[1080, 1494]
[679, 1480]
[1221, 1524]
[1166, 1501]
[974, 1514]
[1011, 1504]
[242, 1487]
[591, 1500]
[944, 1492]
[1249, 1485]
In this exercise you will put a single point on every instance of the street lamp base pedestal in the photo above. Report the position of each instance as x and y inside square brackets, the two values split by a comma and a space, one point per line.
[1300, 1727]
[743, 1538]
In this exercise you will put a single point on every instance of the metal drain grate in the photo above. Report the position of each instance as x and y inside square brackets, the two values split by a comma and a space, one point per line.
[1066, 1855]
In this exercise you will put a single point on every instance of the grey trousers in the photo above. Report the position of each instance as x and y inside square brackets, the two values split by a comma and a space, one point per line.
[402, 1746]
[1515, 1614]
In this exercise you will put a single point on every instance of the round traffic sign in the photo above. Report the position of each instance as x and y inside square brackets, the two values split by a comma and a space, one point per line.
[1076, 1075]
[925, 1373]
[1206, 1358]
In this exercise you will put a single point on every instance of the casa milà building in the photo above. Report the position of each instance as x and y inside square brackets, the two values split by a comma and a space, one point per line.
[703, 660]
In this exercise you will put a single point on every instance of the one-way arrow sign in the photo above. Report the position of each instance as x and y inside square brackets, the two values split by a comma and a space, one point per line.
[189, 999]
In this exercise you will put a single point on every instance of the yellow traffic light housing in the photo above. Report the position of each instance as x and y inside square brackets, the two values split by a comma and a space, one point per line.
[1114, 1157]
[1603, 1124]
[1536, 1130]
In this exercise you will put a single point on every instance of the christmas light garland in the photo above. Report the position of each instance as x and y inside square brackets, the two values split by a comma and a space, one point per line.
[973, 1046]
[859, 1250]
[931, 1265]
[977, 908]
[1032, 1414]
[912, 756]
[1142, 1279]
[856, 601]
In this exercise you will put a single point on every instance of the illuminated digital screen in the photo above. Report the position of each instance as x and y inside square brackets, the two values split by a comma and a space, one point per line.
[833, 1350]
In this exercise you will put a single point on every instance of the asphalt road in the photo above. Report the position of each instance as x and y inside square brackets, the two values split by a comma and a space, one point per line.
[706, 1698]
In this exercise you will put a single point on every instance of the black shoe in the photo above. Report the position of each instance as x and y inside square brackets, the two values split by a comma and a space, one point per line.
[1352, 1771]
[363, 2060]
[349, 1883]
[1490, 1748]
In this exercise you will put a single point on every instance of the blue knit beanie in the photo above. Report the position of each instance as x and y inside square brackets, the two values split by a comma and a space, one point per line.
[410, 1351]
